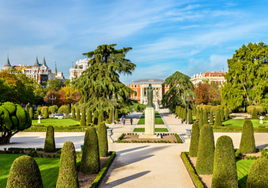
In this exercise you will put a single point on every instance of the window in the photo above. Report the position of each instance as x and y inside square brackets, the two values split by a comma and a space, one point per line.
[219, 82]
[213, 75]
[144, 92]
[219, 75]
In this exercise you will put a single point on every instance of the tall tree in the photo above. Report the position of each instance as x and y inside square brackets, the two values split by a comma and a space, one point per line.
[180, 85]
[54, 84]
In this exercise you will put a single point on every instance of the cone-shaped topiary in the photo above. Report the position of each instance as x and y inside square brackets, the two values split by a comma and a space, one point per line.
[68, 176]
[116, 114]
[254, 113]
[90, 163]
[69, 106]
[200, 118]
[194, 140]
[205, 117]
[102, 138]
[95, 117]
[247, 143]
[205, 153]
[83, 118]
[197, 113]
[224, 170]
[226, 113]
[89, 116]
[78, 114]
[258, 174]
[31, 113]
[50, 140]
[46, 113]
[190, 116]
[222, 114]
[99, 119]
[26, 107]
[211, 119]
[24, 172]
[217, 118]
[73, 113]
[185, 114]
[111, 116]
[179, 112]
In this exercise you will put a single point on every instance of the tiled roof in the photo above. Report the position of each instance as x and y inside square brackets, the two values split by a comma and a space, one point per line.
[148, 81]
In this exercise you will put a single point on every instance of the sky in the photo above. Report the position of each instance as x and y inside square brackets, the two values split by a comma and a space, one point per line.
[166, 36]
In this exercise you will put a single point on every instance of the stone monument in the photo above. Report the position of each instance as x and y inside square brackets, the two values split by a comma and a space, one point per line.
[149, 116]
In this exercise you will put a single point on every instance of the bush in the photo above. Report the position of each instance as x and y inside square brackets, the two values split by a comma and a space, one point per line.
[95, 117]
[211, 118]
[259, 109]
[247, 143]
[64, 109]
[103, 142]
[185, 114]
[90, 163]
[111, 116]
[78, 114]
[200, 119]
[258, 174]
[68, 176]
[31, 113]
[46, 113]
[73, 113]
[254, 113]
[205, 117]
[43, 109]
[100, 119]
[205, 154]
[205, 108]
[190, 116]
[116, 115]
[226, 113]
[222, 114]
[180, 112]
[224, 170]
[214, 109]
[53, 109]
[83, 118]
[194, 140]
[218, 118]
[24, 172]
[89, 116]
[50, 140]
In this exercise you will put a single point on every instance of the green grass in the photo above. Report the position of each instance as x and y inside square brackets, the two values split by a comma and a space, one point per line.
[156, 130]
[56, 122]
[243, 167]
[155, 113]
[158, 120]
[239, 123]
[194, 118]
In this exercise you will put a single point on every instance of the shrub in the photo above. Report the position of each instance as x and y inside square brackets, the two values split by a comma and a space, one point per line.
[247, 143]
[116, 115]
[218, 118]
[69, 106]
[90, 163]
[200, 119]
[102, 137]
[68, 176]
[185, 114]
[197, 113]
[64, 109]
[226, 113]
[26, 107]
[53, 109]
[194, 140]
[95, 117]
[31, 113]
[83, 118]
[111, 116]
[190, 116]
[259, 109]
[211, 118]
[222, 114]
[46, 113]
[24, 172]
[205, 117]
[73, 113]
[254, 113]
[214, 109]
[205, 108]
[205, 154]
[78, 114]
[258, 174]
[43, 110]
[224, 170]
[50, 140]
[179, 114]
[89, 116]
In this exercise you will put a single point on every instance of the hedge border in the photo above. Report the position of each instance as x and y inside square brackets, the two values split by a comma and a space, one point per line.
[119, 140]
[195, 179]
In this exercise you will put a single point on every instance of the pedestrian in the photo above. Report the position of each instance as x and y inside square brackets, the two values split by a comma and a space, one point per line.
[124, 121]
[122, 118]
[131, 121]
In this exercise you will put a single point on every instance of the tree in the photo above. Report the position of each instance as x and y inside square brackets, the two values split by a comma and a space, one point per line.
[258, 174]
[194, 140]
[180, 86]
[46, 113]
[222, 113]
[102, 138]
[247, 143]
[200, 118]
[83, 118]
[39, 93]
[89, 117]
[185, 114]
[226, 113]
[54, 84]
[50, 140]
[13, 118]
[50, 95]
[246, 80]
[205, 117]
[218, 118]
[60, 98]
[224, 170]
[78, 114]
[95, 117]
[254, 114]
[73, 113]
[24, 172]
[111, 116]
[116, 115]
[31, 113]
[190, 116]
[202, 93]
[211, 118]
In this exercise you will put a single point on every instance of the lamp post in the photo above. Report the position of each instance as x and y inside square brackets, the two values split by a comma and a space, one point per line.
[52, 98]
[187, 100]
[114, 100]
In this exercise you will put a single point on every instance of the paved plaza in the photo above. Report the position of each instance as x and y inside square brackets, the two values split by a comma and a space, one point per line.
[137, 165]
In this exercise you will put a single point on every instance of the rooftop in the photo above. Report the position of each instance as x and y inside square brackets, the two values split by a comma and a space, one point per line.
[148, 81]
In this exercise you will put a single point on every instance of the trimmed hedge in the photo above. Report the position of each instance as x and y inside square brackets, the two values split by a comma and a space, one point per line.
[24, 172]
[103, 142]
[200, 119]
[185, 114]
[205, 117]
[83, 118]
[224, 170]
[111, 116]
[194, 140]
[95, 117]
[222, 114]
[259, 109]
[45, 113]
[254, 113]
[217, 118]
[78, 114]
[50, 140]
[116, 115]
[190, 117]
[31, 113]
[53, 109]
[73, 113]
[258, 174]
[64, 109]
[90, 163]
[211, 118]
[205, 154]
[89, 116]
[68, 176]
[197, 113]
[247, 143]
[226, 113]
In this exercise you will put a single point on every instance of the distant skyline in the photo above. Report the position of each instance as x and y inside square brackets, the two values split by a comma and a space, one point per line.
[166, 36]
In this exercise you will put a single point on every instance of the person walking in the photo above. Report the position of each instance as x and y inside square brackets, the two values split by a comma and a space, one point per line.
[124, 121]
[122, 117]
[131, 121]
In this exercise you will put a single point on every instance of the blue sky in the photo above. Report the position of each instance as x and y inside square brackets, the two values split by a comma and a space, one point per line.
[166, 36]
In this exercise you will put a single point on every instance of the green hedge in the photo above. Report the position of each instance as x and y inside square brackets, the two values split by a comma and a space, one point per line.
[194, 140]
[247, 143]
[50, 140]
[258, 174]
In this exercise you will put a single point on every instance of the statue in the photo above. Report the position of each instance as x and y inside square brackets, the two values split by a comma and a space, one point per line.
[150, 90]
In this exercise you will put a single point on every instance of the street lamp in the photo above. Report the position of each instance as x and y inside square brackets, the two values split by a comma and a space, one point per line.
[52, 98]
[114, 100]
[188, 100]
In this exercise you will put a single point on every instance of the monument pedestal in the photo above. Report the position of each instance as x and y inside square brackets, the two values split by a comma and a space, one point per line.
[149, 124]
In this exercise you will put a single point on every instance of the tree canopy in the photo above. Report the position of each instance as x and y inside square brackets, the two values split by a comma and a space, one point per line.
[180, 85]
[247, 80]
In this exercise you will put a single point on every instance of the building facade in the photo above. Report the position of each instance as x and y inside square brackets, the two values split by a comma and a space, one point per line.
[140, 94]
[210, 77]
[80, 66]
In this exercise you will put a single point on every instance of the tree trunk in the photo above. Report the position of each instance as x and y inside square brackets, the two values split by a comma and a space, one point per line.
[5, 138]
[245, 91]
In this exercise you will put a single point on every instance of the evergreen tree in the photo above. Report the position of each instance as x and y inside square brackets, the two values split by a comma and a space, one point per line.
[197, 113]
[83, 118]
[194, 140]
[190, 116]
[50, 140]
[95, 117]
[217, 118]
[205, 117]
[116, 115]
[46, 113]
[222, 114]
[31, 113]
[247, 143]
[111, 116]
[26, 107]
[73, 113]
[185, 114]
[78, 114]
[179, 112]
[200, 118]
[226, 113]
[254, 114]
[102, 138]
[211, 118]
[89, 116]
[99, 119]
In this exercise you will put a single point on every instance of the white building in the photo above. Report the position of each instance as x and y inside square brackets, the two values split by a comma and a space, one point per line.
[210, 77]
[80, 66]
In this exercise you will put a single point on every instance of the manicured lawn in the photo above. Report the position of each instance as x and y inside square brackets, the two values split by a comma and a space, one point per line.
[49, 168]
[155, 112]
[243, 167]
[239, 122]
[158, 120]
[156, 130]
[56, 122]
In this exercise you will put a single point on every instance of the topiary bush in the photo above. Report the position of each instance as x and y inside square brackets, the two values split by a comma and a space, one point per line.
[205, 153]
[95, 117]
[53, 109]
[100, 119]
[200, 118]
[258, 174]
[89, 116]
[247, 143]
[73, 113]
[31, 113]
[179, 112]
[26, 107]
[64, 109]
[194, 140]
[24, 172]
[185, 114]
[50, 140]
[226, 113]
[205, 117]
[46, 113]
[197, 114]
[190, 116]
[259, 109]
[111, 116]
[43, 110]
[217, 118]
[211, 118]
[222, 114]
[102, 138]
[68, 176]
[224, 170]
[254, 113]
[116, 114]
[90, 163]
[83, 118]
[78, 114]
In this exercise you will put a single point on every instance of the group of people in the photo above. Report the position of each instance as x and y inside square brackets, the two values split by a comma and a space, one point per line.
[124, 120]
[182, 121]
